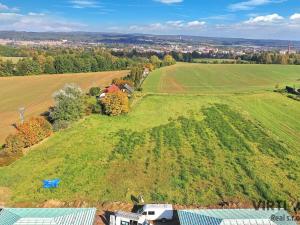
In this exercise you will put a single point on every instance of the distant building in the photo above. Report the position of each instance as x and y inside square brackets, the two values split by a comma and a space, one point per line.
[288, 51]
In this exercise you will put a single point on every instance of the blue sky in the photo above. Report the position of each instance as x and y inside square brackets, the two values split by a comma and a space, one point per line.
[276, 19]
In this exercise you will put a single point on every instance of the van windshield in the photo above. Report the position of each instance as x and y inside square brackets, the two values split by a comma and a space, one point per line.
[140, 211]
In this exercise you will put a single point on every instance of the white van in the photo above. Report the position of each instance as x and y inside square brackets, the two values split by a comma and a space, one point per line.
[154, 212]
[125, 218]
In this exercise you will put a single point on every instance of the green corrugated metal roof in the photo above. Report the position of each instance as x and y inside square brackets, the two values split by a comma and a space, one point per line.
[44, 216]
[233, 216]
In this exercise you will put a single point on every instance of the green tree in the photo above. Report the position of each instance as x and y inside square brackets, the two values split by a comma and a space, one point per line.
[69, 104]
[63, 64]
[168, 60]
[136, 75]
[28, 66]
[6, 68]
[49, 65]
[155, 61]
[94, 91]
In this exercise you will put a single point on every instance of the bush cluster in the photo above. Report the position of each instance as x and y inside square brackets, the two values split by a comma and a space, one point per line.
[28, 134]
[115, 103]
[94, 91]
[69, 104]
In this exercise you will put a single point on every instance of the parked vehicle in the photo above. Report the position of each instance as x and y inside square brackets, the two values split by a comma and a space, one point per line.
[155, 212]
[125, 218]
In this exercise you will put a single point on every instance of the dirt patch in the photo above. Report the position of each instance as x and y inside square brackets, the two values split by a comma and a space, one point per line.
[5, 194]
[171, 85]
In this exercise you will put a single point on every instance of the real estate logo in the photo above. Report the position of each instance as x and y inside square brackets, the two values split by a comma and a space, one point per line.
[279, 204]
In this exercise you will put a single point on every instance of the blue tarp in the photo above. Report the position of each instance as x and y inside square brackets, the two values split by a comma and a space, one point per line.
[51, 183]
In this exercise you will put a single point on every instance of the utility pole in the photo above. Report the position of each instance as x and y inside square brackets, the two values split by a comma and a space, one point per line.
[22, 114]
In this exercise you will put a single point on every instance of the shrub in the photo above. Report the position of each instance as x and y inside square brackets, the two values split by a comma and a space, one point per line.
[97, 108]
[115, 103]
[60, 125]
[94, 91]
[14, 144]
[34, 130]
[169, 60]
[69, 104]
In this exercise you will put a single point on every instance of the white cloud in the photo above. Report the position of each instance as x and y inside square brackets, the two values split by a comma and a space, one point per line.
[169, 26]
[36, 22]
[36, 14]
[176, 24]
[6, 8]
[81, 4]
[169, 1]
[3, 7]
[295, 16]
[251, 4]
[195, 24]
[268, 19]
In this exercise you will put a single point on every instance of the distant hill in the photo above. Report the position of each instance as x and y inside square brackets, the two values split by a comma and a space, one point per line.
[118, 38]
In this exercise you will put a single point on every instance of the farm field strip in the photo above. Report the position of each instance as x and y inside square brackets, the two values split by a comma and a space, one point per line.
[202, 78]
[35, 93]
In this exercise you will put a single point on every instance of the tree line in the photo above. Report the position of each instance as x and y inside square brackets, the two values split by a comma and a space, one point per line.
[72, 60]
[63, 63]
[271, 57]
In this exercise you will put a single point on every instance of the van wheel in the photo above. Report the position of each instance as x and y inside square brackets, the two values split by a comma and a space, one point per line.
[164, 220]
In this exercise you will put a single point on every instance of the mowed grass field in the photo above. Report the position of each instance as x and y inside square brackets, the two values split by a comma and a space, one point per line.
[177, 148]
[219, 78]
[35, 94]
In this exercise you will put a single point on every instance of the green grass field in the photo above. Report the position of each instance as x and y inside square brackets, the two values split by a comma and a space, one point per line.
[195, 148]
[220, 79]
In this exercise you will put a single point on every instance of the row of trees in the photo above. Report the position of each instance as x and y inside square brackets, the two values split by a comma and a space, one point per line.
[56, 60]
[137, 72]
[272, 57]
[65, 63]
[78, 62]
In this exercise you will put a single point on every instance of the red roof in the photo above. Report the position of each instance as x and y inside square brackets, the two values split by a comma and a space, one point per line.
[112, 88]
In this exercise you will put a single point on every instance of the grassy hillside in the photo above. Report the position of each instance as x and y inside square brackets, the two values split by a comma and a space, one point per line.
[35, 93]
[216, 79]
[170, 148]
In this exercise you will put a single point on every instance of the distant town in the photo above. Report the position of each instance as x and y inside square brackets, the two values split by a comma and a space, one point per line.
[151, 43]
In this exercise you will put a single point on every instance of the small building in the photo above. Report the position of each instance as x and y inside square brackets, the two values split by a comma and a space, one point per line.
[128, 89]
[45, 216]
[111, 89]
[146, 72]
[235, 217]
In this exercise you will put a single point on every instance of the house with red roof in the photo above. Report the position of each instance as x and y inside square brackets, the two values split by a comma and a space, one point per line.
[111, 89]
